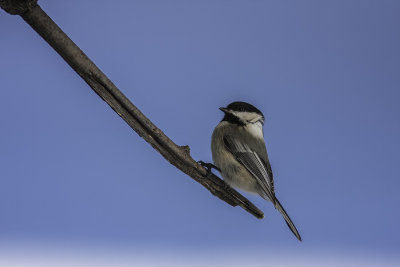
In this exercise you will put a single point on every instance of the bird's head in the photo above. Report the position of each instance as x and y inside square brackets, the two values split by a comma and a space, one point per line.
[242, 113]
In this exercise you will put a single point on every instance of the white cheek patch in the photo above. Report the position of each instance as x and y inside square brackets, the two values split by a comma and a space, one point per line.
[256, 118]
[250, 117]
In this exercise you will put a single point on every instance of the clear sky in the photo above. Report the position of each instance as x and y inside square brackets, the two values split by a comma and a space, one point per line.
[326, 74]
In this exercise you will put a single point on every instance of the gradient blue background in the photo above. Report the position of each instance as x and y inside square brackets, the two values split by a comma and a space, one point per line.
[325, 73]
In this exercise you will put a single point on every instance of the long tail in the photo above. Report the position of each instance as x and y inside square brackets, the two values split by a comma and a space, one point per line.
[289, 222]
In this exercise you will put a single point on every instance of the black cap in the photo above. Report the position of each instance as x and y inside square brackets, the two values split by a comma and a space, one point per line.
[243, 106]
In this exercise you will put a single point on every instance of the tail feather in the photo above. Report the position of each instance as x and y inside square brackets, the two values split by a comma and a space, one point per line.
[289, 222]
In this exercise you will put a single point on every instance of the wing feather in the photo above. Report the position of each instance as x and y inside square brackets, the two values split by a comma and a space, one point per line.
[256, 162]
[253, 163]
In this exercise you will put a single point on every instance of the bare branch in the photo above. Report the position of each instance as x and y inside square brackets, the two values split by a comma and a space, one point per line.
[179, 156]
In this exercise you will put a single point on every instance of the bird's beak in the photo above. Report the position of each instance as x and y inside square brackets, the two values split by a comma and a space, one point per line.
[225, 110]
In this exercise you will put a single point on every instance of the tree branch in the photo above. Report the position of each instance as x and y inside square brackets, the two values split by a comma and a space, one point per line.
[178, 156]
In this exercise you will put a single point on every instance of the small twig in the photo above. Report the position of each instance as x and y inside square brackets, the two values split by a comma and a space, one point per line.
[179, 156]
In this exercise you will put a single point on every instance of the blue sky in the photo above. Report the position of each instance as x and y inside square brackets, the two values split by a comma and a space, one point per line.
[324, 73]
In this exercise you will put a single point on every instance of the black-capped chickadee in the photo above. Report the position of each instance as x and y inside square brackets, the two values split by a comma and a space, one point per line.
[239, 152]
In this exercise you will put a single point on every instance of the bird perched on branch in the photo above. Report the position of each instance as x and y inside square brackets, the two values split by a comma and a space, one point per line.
[239, 153]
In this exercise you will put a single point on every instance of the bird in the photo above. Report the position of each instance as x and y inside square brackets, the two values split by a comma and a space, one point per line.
[239, 153]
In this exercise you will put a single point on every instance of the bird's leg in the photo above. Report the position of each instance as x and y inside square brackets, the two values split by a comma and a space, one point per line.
[209, 167]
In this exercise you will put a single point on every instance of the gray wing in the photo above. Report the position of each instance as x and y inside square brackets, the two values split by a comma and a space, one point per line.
[251, 160]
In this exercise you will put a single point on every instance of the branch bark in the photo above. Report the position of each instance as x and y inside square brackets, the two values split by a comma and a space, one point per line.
[178, 156]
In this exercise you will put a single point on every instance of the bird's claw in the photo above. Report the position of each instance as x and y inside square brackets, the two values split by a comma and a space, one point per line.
[208, 166]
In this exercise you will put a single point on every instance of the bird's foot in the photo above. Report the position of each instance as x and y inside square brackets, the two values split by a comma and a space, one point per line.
[208, 166]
